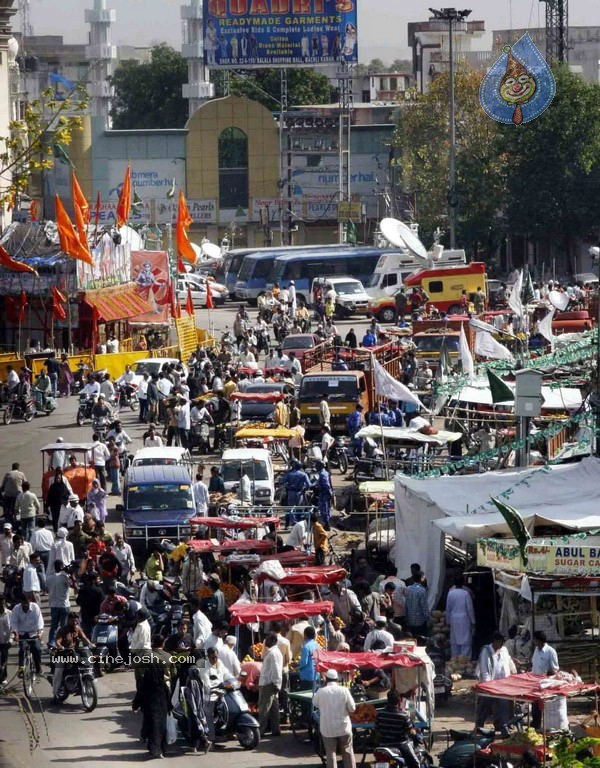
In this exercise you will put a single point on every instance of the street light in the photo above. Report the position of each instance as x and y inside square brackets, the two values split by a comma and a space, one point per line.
[453, 17]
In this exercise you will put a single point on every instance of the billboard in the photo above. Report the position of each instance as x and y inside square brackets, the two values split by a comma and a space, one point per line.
[150, 273]
[244, 34]
[150, 178]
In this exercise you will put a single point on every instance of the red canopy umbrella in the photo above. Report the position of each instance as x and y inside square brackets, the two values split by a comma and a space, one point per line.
[239, 523]
[248, 613]
[344, 662]
[529, 687]
[314, 574]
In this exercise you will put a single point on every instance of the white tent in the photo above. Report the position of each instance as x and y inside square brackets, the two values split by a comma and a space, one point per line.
[553, 398]
[567, 495]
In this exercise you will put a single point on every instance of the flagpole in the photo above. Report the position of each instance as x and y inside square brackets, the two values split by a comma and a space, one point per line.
[383, 446]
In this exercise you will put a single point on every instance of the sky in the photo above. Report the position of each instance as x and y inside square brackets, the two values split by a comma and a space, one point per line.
[381, 23]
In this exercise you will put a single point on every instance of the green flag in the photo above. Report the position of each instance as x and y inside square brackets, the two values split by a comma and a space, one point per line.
[351, 233]
[137, 200]
[500, 392]
[516, 525]
[527, 289]
[60, 153]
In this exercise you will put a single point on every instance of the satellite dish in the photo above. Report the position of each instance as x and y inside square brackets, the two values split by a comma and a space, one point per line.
[401, 236]
[130, 236]
[559, 300]
[211, 251]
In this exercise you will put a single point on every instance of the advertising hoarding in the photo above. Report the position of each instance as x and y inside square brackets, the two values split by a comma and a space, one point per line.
[244, 34]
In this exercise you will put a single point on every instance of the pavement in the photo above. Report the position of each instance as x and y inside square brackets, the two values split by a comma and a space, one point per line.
[51, 735]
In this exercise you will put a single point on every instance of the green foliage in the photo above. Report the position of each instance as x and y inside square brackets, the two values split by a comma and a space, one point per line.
[149, 95]
[29, 147]
[571, 754]
[305, 86]
[541, 179]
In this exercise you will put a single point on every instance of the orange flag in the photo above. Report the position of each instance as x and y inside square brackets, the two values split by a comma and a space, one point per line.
[58, 311]
[6, 260]
[79, 200]
[189, 302]
[184, 247]
[69, 240]
[124, 204]
[210, 304]
[33, 210]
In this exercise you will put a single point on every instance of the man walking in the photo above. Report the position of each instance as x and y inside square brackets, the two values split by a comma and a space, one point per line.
[269, 685]
[58, 585]
[100, 455]
[417, 610]
[335, 705]
[543, 662]
[27, 506]
[494, 664]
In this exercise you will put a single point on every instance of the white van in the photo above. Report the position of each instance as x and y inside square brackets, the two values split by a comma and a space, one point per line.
[164, 455]
[393, 267]
[257, 464]
[350, 295]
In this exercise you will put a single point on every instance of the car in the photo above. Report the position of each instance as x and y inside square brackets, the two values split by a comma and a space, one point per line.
[350, 295]
[257, 464]
[383, 309]
[198, 290]
[299, 344]
[218, 290]
[163, 456]
[153, 365]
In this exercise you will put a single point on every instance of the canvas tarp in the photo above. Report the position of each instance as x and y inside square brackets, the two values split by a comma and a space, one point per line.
[404, 433]
[248, 613]
[529, 687]
[553, 398]
[567, 495]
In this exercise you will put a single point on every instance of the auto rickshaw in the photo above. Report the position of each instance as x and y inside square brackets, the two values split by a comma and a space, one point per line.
[79, 473]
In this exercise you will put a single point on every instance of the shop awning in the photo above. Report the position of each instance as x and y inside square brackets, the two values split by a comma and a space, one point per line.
[317, 574]
[530, 687]
[344, 662]
[118, 303]
[247, 613]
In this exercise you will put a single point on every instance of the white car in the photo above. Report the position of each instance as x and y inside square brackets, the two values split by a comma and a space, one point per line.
[350, 295]
[163, 456]
[153, 365]
[258, 466]
[198, 285]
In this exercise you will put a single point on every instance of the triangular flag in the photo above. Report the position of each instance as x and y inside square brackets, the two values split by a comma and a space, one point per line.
[481, 325]
[544, 326]
[210, 304]
[516, 525]
[487, 346]
[189, 302]
[33, 210]
[60, 153]
[171, 190]
[69, 240]
[6, 260]
[137, 200]
[514, 299]
[175, 305]
[124, 204]
[184, 220]
[387, 386]
[79, 199]
[466, 357]
[22, 306]
[501, 393]
[58, 311]
[527, 293]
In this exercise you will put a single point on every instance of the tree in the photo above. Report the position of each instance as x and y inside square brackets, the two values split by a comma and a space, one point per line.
[553, 166]
[421, 148]
[305, 86]
[401, 65]
[46, 126]
[149, 95]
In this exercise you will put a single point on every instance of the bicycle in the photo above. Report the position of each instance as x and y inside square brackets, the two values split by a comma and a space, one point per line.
[28, 669]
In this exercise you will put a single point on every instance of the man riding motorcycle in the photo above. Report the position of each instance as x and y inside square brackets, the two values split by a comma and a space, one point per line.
[68, 638]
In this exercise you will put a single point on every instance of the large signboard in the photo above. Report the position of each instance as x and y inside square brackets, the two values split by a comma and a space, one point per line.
[566, 559]
[161, 211]
[150, 178]
[150, 272]
[112, 265]
[244, 34]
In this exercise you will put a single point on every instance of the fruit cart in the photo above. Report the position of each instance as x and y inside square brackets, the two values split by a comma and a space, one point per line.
[363, 719]
[533, 689]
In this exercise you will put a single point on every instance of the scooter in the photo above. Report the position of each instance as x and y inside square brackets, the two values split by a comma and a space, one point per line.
[394, 757]
[19, 408]
[78, 679]
[44, 404]
[84, 411]
[232, 716]
[105, 636]
[469, 750]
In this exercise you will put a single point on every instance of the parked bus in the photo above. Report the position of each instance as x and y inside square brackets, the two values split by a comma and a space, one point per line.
[256, 267]
[341, 261]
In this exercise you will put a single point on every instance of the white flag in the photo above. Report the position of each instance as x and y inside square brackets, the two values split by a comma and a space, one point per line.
[487, 346]
[544, 327]
[466, 357]
[387, 386]
[514, 299]
[481, 325]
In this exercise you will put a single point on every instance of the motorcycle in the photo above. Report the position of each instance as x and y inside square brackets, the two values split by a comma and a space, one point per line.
[44, 404]
[13, 585]
[393, 757]
[100, 427]
[339, 456]
[127, 397]
[105, 636]
[84, 411]
[19, 408]
[232, 716]
[470, 749]
[78, 679]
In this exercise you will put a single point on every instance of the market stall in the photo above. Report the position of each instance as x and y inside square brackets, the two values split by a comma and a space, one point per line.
[549, 693]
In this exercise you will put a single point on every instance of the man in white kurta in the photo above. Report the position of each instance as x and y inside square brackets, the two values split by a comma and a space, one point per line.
[460, 617]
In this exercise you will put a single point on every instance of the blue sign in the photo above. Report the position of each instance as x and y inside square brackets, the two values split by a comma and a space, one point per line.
[249, 34]
[520, 85]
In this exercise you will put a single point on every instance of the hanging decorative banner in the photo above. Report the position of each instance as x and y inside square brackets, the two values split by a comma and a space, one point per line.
[570, 557]
[244, 34]
[520, 85]
[499, 554]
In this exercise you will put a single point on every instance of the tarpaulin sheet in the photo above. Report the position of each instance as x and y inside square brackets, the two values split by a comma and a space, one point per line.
[347, 661]
[553, 398]
[248, 613]
[318, 574]
[118, 303]
[237, 523]
[245, 545]
[530, 687]
[258, 397]
[404, 433]
[252, 432]
[292, 557]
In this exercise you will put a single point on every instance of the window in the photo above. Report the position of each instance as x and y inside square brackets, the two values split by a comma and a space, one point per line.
[389, 280]
[233, 168]
[435, 286]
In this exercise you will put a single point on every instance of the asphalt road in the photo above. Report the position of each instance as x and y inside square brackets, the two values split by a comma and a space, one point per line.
[66, 734]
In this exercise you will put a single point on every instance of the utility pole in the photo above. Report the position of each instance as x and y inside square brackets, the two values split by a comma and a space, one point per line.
[455, 20]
